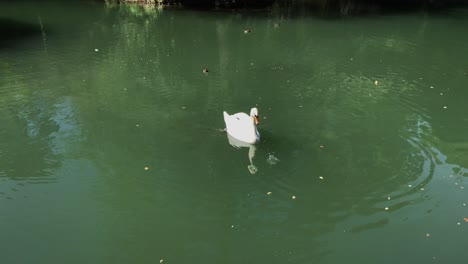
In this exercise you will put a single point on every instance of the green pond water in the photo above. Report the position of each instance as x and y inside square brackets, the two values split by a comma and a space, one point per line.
[366, 116]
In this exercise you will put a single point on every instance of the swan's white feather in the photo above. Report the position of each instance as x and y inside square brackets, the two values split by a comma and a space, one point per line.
[242, 127]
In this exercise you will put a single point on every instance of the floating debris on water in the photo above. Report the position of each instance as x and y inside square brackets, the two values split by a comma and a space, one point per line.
[268, 193]
[321, 146]
[432, 87]
[409, 185]
[232, 226]
[293, 197]
[441, 93]
[161, 261]
[247, 30]
[376, 82]
[137, 125]
[428, 235]
[465, 219]
[445, 107]
[146, 168]
[321, 177]
[386, 208]
[458, 223]
[388, 198]
[96, 50]
[272, 160]
[205, 70]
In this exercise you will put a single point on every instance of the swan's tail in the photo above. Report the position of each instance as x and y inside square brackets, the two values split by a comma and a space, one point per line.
[226, 116]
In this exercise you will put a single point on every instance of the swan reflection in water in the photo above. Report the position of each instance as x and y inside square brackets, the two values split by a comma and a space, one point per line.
[240, 144]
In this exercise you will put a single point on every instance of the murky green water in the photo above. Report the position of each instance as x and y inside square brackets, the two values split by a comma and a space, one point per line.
[379, 171]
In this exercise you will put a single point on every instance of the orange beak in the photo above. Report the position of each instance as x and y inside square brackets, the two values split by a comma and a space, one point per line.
[256, 120]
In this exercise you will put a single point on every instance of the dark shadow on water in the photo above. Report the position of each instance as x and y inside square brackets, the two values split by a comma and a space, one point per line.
[12, 31]
[324, 9]
[333, 9]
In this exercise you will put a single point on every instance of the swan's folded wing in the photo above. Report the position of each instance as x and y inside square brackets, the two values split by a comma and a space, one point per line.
[242, 117]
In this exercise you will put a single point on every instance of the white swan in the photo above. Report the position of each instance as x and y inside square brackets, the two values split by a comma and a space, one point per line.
[243, 127]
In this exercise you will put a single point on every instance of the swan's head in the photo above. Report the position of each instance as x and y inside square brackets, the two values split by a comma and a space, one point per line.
[254, 115]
